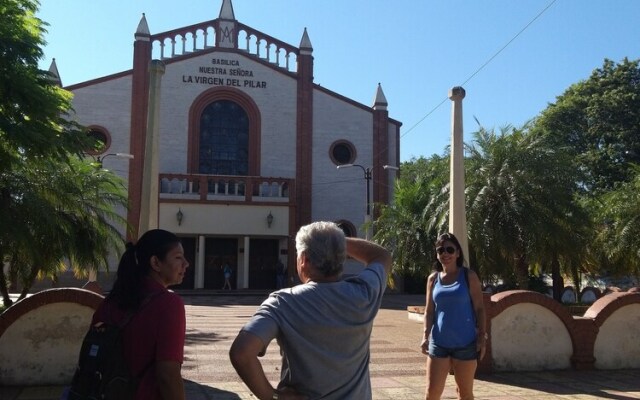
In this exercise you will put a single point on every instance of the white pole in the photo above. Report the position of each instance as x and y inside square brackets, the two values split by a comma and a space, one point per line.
[457, 212]
[149, 206]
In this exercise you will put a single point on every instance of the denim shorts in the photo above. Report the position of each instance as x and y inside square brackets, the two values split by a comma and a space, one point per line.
[466, 353]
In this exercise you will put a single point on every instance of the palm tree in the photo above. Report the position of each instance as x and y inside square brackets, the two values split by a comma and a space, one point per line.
[59, 214]
[520, 202]
[406, 225]
[618, 236]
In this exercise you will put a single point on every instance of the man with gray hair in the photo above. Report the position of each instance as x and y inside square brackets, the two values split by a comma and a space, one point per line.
[322, 326]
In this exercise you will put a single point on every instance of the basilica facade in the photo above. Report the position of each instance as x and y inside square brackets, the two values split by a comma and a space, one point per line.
[223, 137]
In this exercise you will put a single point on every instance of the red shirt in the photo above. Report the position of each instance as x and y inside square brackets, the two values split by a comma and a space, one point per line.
[155, 333]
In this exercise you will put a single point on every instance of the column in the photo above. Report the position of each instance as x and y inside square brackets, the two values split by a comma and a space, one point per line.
[457, 213]
[149, 207]
[245, 265]
[199, 272]
[139, 111]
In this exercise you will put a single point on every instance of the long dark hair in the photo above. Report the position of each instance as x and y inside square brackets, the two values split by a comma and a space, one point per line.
[135, 265]
[449, 237]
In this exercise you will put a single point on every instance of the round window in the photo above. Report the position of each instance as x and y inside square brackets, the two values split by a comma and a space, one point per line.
[102, 138]
[342, 152]
[347, 227]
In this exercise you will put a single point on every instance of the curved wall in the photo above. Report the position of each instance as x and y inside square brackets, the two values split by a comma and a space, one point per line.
[40, 336]
[528, 336]
[618, 343]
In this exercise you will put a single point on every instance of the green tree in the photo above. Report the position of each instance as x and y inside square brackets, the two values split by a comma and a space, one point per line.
[618, 238]
[33, 109]
[599, 119]
[53, 205]
[520, 207]
[406, 225]
[62, 214]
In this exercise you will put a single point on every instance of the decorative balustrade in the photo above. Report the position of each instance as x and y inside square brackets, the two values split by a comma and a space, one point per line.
[194, 38]
[185, 40]
[256, 41]
[195, 187]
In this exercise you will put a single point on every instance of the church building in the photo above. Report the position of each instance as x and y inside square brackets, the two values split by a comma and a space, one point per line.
[222, 137]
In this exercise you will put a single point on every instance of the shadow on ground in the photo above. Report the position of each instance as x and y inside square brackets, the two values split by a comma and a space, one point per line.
[608, 384]
[203, 391]
[401, 301]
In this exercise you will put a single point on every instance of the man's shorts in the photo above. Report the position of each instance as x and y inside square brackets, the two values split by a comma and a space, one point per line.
[466, 353]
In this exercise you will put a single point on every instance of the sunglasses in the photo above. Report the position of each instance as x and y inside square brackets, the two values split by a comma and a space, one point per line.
[448, 249]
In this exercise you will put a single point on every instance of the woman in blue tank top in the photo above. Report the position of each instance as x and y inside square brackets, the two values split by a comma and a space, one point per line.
[454, 324]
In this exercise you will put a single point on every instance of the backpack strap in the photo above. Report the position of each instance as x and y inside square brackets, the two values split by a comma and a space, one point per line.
[128, 318]
[130, 313]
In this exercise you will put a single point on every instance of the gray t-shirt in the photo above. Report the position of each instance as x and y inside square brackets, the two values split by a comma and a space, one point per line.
[323, 330]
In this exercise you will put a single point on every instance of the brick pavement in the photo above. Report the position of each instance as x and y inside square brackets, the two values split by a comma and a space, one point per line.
[397, 366]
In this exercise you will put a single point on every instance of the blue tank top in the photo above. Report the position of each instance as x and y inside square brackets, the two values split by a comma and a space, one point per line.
[454, 322]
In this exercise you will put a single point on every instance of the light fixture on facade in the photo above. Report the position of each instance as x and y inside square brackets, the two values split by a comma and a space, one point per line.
[179, 216]
[269, 219]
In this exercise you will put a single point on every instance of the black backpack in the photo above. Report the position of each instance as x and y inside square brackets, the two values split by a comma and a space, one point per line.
[102, 372]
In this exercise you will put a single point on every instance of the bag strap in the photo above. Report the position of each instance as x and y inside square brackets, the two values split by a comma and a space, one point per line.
[130, 313]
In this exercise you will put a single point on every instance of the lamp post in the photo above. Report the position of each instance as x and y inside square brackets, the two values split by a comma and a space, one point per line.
[100, 160]
[367, 177]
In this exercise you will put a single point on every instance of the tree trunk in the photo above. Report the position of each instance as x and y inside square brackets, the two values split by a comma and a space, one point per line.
[28, 283]
[558, 281]
[575, 274]
[522, 272]
[6, 300]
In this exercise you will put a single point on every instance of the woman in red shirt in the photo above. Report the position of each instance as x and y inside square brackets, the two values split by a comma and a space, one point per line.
[153, 339]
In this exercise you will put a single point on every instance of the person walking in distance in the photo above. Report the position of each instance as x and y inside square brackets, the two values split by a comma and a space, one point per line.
[226, 270]
[323, 326]
[454, 324]
[281, 275]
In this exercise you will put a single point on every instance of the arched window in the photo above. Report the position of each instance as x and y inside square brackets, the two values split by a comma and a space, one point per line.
[224, 134]
[224, 139]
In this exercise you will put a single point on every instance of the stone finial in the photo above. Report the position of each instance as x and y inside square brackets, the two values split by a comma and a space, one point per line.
[380, 101]
[53, 72]
[305, 43]
[226, 11]
[142, 33]
[457, 93]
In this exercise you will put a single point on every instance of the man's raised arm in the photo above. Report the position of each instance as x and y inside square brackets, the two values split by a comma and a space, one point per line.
[368, 252]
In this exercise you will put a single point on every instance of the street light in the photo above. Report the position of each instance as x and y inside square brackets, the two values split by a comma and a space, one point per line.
[367, 177]
[100, 160]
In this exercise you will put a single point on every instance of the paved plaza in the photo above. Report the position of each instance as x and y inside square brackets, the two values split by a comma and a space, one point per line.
[397, 366]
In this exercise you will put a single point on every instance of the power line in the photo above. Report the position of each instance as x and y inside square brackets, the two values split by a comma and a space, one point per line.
[484, 65]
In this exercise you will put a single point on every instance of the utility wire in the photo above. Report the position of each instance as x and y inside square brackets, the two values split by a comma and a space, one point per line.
[483, 65]
[467, 80]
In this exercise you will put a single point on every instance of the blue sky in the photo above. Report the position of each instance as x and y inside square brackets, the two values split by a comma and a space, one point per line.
[417, 49]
